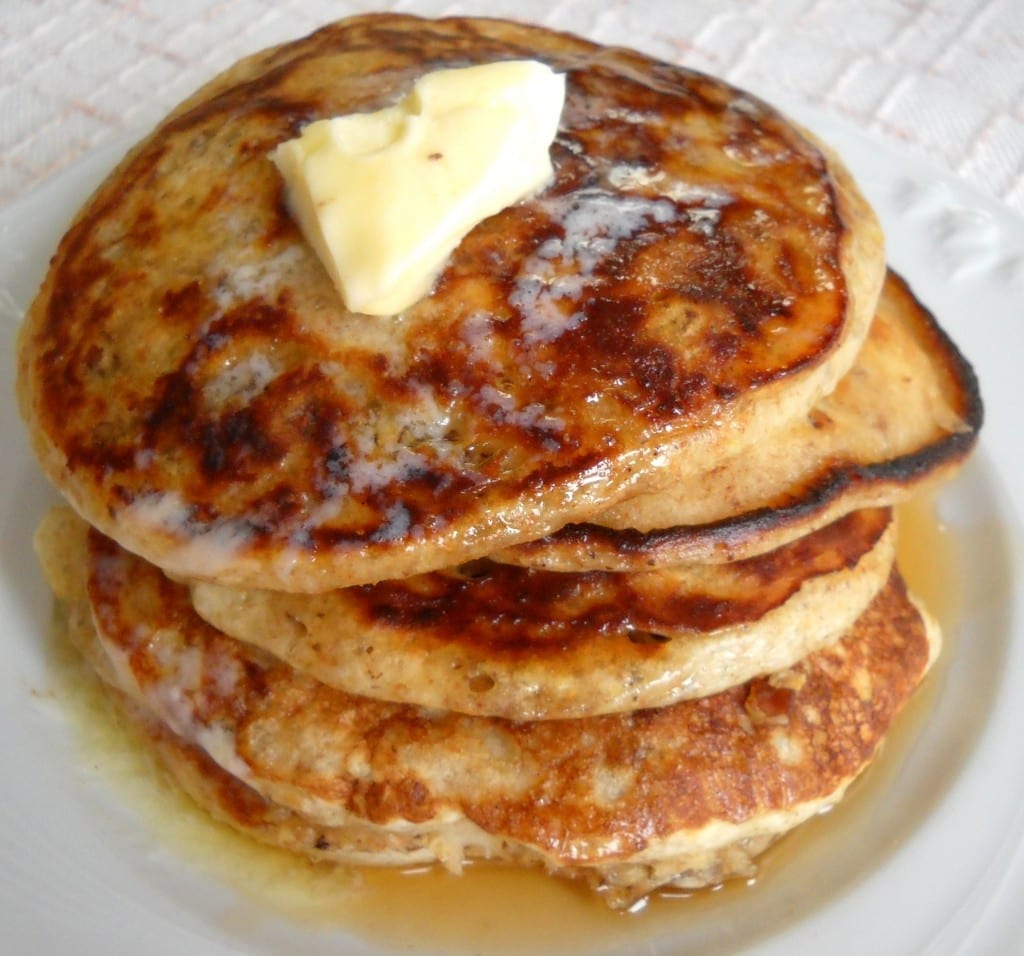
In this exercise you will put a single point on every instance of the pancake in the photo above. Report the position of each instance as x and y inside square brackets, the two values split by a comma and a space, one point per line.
[224, 797]
[497, 640]
[698, 271]
[684, 795]
[232, 802]
[907, 415]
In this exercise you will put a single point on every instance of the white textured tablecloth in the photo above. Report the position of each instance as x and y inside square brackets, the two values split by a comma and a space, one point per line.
[943, 78]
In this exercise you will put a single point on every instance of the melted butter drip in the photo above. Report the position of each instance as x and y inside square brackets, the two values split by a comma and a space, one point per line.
[498, 909]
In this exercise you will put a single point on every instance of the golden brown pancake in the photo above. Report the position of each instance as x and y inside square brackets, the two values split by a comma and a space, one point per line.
[230, 801]
[525, 644]
[681, 795]
[698, 271]
[224, 797]
[906, 415]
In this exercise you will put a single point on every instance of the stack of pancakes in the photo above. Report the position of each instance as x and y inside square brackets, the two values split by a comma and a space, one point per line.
[585, 560]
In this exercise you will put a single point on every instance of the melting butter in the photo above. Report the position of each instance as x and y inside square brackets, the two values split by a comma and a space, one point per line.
[384, 198]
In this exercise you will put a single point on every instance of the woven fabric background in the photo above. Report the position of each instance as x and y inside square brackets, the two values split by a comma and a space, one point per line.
[943, 78]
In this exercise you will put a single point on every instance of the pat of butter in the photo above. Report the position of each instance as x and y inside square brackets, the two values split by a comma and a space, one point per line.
[385, 197]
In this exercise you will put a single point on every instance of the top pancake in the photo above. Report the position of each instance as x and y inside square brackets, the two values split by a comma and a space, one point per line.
[697, 270]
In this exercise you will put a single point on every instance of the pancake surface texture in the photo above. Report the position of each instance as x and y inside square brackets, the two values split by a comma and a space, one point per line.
[697, 271]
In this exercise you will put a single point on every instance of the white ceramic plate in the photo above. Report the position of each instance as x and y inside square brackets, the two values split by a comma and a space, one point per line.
[935, 862]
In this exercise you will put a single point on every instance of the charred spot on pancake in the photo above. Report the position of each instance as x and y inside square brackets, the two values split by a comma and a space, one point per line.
[646, 637]
[186, 303]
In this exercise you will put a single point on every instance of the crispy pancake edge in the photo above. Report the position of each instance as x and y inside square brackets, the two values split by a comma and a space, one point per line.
[830, 495]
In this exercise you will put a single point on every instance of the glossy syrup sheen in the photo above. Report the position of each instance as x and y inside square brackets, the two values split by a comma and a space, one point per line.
[500, 909]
